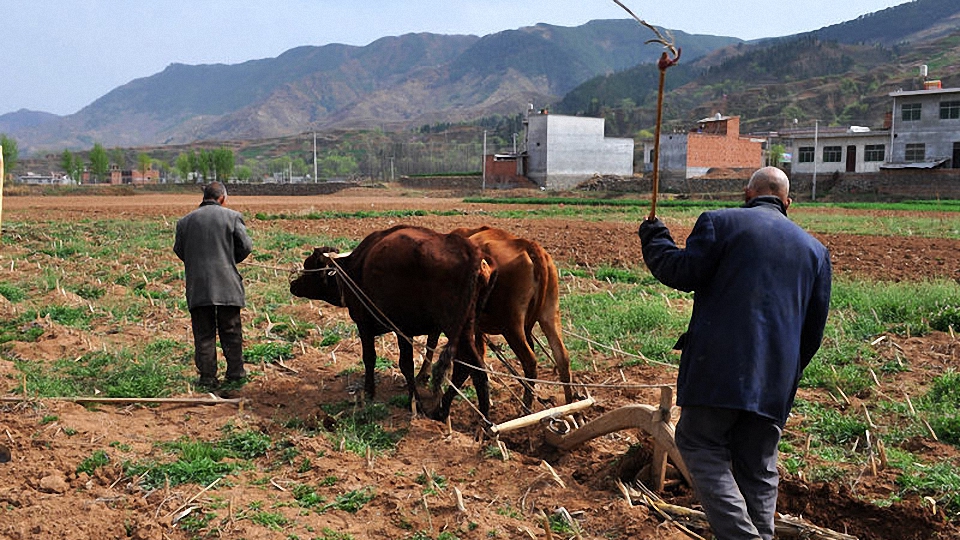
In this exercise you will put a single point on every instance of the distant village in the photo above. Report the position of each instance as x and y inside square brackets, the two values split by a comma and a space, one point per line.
[921, 131]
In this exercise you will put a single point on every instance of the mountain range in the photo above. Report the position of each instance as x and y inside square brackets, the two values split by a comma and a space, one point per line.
[837, 73]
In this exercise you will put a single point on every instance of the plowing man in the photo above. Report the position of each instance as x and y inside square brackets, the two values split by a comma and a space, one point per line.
[761, 289]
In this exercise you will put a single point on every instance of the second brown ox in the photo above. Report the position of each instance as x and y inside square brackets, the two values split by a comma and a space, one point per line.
[525, 292]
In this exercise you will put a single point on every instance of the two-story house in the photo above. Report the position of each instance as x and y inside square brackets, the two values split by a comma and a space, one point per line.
[925, 131]
[922, 131]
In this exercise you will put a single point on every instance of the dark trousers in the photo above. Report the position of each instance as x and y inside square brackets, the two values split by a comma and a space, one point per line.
[207, 322]
[732, 457]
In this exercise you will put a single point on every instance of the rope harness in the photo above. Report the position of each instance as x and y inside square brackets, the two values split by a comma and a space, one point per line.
[337, 271]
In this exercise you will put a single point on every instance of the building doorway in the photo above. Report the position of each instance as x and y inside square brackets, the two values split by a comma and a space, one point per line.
[852, 158]
[956, 156]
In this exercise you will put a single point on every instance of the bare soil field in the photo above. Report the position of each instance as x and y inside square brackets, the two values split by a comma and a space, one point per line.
[503, 496]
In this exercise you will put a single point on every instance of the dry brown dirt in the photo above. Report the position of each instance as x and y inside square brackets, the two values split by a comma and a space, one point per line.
[41, 496]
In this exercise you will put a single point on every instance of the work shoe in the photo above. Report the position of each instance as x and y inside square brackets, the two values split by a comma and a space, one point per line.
[208, 383]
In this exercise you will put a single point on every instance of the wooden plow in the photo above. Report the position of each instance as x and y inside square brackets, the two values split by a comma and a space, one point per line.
[563, 431]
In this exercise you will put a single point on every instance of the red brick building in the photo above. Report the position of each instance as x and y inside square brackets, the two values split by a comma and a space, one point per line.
[133, 176]
[714, 143]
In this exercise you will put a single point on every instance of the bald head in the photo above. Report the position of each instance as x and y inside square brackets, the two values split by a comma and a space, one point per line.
[769, 181]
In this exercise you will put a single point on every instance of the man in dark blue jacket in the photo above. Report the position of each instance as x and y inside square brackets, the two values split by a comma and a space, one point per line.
[210, 241]
[761, 294]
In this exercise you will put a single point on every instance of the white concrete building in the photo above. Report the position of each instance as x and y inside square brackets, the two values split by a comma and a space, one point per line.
[826, 150]
[563, 151]
[925, 130]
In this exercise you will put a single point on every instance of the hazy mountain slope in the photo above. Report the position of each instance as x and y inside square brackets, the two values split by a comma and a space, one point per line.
[837, 74]
[405, 80]
[920, 20]
[772, 82]
[23, 119]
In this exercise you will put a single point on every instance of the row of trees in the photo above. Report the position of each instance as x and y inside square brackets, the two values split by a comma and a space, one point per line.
[10, 152]
[369, 154]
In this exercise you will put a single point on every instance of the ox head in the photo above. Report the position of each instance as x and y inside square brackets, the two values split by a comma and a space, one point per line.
[318, 279]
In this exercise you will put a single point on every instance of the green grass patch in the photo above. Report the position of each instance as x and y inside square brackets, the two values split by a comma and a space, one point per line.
[98, 459]
[357, 428]
[275, 521]
[156, 372]
[11, 292]
[631, 318]
[352, 501]
[269, 353]
[941, 480]
[197, 462]
[244, 444]
[360, 214]
[830, 426]
[307, 496]
[941, 404]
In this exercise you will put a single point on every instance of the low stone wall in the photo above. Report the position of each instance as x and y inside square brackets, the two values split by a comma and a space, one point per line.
[888, 185]
[320, 188]
[466, 183]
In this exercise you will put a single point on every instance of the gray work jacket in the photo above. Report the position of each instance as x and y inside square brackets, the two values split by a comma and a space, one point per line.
[210, 241]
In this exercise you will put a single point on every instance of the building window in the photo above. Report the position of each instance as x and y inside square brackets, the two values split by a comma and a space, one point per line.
[873, 152]
[949, 110]
[915, 152]
[832, 154]
[910, 112]
[805, 155]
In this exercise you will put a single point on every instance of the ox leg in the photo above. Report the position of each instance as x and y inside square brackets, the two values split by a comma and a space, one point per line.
[462, 370]
[367, 343]
[423, 376]
[550, 325]
[528, 360]
[406, 367]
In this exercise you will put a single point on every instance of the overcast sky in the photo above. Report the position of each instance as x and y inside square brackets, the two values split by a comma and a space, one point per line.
[60, 55]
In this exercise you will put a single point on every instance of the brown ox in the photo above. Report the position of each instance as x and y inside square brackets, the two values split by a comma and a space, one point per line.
[412, 281]
[525, 292]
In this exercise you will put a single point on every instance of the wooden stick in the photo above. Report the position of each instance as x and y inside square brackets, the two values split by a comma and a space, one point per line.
[655, 188]
[106, 400]
[535, 418]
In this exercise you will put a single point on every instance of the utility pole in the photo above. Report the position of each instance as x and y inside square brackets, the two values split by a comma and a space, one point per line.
[315, 179]
[816, 133]
[483, 185]
[1, 189]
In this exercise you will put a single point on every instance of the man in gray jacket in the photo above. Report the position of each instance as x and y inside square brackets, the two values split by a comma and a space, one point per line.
[210, 241]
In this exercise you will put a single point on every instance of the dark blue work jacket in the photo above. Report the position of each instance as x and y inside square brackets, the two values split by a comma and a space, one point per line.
[761, 294]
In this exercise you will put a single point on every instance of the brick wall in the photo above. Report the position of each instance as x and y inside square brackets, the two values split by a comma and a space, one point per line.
[729, 151]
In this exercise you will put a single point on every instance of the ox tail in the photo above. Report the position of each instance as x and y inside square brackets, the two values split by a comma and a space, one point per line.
[544, 275]
[486, 279]
[482, 286]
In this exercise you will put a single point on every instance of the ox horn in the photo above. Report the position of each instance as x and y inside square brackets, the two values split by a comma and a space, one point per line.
[335, 255]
